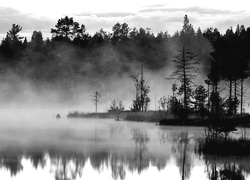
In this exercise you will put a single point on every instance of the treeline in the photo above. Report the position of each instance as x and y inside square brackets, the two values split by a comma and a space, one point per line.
[229, 70]
[228, 64]
[73, 57]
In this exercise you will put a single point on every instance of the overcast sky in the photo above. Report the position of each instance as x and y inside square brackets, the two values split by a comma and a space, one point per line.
[159, 15]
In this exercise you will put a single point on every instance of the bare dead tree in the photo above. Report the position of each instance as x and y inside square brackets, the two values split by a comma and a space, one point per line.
[141, 101]
[96, 98]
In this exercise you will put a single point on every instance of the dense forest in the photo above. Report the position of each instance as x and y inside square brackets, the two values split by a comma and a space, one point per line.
[73, 58]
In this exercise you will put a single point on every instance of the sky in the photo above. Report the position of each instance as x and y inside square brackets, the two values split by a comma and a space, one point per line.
[159, 15]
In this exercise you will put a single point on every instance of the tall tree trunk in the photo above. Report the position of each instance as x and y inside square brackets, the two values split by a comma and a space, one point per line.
[184, 82]
[184, 161]
[241, 95]
[208, 98]
[96, 102]
[235, 96]
[217, 105]
[212, 103]
[230, 97]
[142, 84]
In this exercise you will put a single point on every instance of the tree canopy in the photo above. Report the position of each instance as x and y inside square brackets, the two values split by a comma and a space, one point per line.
[72, 56]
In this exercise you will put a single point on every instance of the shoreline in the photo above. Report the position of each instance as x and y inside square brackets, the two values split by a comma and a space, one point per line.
[164, 119]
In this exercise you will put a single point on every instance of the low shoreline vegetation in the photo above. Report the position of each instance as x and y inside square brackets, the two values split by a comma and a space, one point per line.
[236, 120]
[222, 147]
[218, 138]
[163, 118]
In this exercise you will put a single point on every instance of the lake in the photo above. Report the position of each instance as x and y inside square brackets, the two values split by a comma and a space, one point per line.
[63, 149]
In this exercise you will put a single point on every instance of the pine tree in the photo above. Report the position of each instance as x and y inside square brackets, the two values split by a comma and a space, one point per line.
[186, 68]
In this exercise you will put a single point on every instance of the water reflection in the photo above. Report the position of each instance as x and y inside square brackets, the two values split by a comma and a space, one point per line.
[98, 160]
[115, 130]
[163, 137]
[226, 167]
[141, 139]
[11, 161]
[125, 150]
[66, 166]
[37, 159]
[117, 167]
[183, 150]
[225, 171]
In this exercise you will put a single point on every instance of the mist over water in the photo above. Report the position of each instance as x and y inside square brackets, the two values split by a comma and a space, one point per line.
[102, 148]
[22, 94]
[109, 76]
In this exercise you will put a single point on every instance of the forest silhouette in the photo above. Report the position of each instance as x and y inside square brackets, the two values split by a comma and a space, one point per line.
[74, 58]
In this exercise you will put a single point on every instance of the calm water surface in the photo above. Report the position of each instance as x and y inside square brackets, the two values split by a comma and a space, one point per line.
[46, 148]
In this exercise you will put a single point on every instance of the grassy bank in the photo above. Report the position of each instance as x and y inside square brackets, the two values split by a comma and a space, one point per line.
[148, 116]
[180, 122]
[77, 114]
[163, 118]
[237, 120]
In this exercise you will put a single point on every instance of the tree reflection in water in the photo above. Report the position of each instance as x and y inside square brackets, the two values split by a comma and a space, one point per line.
[183, 152]
[164, 137]
[226, 171]
[69, 166]
[117, 163]
[66, 167]
[117, 167]
[115, 130]
[37, 159]
[11, 161]
[141, 139]
[98, 160]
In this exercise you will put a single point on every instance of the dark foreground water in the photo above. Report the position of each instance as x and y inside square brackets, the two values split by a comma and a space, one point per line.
[46, 148]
